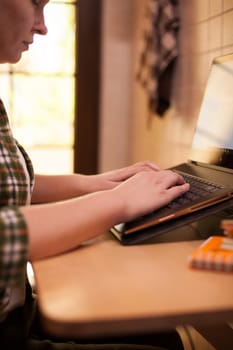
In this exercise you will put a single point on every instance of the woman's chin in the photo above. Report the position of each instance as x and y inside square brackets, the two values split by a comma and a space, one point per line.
[14, 58]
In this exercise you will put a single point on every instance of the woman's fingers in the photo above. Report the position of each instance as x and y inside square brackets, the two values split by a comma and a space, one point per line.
[172, 185]
[177, 191]
[150, 190]
[125, 173]
[151, 165]
[168, 178]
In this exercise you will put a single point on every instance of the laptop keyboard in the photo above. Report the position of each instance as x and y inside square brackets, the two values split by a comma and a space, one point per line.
[199, 188]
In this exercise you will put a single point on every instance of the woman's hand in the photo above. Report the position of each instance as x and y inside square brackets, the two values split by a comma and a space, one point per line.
[53, 188]
[149, 190]
[111, 179]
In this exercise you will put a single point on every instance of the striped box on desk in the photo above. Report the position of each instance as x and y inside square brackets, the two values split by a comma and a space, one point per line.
[216, 253]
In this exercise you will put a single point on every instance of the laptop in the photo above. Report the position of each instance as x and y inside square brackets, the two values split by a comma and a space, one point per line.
[209, 167]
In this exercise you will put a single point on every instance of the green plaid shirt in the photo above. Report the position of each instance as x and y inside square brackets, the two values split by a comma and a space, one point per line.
[13, 194]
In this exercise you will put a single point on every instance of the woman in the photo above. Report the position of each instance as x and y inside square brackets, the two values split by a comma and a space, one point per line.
[69, 208]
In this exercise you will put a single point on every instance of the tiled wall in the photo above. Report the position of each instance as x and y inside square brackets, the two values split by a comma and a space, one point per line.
[206, 31]
[126, 134]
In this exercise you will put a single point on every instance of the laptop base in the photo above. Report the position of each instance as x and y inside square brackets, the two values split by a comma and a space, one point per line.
[196, 226]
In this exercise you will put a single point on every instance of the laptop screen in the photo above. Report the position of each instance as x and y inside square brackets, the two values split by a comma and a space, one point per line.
[213, 138]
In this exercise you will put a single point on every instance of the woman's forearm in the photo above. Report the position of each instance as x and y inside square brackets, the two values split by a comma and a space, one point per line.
[52, 188]
[58, 227]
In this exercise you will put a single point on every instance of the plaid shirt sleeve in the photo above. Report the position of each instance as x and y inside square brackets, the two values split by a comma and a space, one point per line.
[13, 194]
[13, 246]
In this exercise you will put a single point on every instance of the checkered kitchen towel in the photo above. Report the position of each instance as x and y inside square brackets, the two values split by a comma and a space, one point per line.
[158, 53]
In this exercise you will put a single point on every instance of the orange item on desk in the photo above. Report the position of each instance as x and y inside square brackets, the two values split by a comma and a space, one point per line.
[227, 226]
[216, 253]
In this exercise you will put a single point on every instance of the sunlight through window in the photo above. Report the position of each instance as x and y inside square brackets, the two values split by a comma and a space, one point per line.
[39, 91]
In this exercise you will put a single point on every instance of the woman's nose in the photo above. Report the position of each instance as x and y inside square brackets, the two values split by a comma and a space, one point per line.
[40, 26]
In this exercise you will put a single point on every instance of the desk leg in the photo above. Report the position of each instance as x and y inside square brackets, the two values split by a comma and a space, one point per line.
[220, 335]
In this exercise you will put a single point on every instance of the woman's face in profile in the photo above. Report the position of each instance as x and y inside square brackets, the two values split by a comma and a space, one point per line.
[19, 21]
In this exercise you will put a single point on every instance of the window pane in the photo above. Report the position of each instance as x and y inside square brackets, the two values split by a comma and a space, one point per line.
[4, 67]
[65, 1]
[43, 110]
[38, 92]
[51, 160]
[4, 89]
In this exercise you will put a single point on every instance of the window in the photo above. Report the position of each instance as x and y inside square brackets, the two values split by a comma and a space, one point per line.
[39, 92]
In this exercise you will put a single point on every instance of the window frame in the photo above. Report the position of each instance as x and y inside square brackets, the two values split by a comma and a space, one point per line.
[88, 59]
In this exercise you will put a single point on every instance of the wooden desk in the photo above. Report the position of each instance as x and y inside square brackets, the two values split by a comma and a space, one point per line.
[104, 288]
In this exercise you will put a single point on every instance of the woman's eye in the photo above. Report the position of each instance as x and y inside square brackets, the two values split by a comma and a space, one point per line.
[36, 2]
